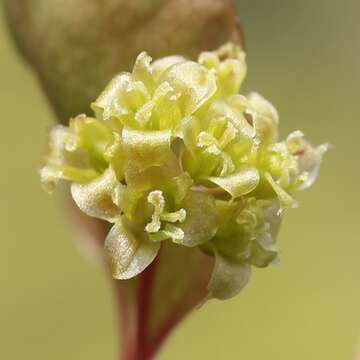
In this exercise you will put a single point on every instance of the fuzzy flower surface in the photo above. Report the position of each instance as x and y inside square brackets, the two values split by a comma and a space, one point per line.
[175, 153]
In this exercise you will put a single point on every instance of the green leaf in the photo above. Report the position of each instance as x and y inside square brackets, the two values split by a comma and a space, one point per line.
[128, 250]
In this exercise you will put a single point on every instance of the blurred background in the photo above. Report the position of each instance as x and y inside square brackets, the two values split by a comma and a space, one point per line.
[304, 56]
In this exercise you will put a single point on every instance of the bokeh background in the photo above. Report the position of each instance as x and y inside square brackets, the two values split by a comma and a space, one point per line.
[55, 304]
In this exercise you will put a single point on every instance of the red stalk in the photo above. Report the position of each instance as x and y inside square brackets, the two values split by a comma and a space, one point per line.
[141, 339]
[134, 317]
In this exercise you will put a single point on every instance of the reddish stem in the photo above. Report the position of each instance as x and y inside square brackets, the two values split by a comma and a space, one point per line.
[126, 330]
[136, 301]
[134, 317]
[144, 297]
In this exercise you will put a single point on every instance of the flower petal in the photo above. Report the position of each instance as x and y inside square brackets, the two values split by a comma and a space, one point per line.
[62, 149]
[225, 109]
[228, 278]
[146, 148]
[230, 66]
[262, 114]
[310, 161]
[150, 161]
[96, 198]
[263, 251]
[240, 183]
[159, 66]
[108, 104]
[50, 176]
[128, 252]
[286, 200]
[201, 220]
[191, 129]
[93, 136]
[195, 83]
[143, 71]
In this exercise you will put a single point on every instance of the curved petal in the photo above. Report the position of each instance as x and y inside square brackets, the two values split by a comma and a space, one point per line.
[150, 161]
[115, 156]
[108, 103]
[310, 161]
[191, 128]
[263, 251]
[159, 66]
[228, 278]
[261, 113]
[201, 220]
[273, 218]
[240, 183]
[63, 150]
[143, 71]
[128, 253]
[196, 84]
[286, 200]
[235, 115]
[96, 198]
[178, 186]
[162, 111]
[264, 107]
[93, 136]
[50, 176]
[229, 63]
[72, 152]
[146, 148]
[231, 75]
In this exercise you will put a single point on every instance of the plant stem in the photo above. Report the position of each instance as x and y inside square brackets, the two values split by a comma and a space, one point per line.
[134, 312]
[142, 333]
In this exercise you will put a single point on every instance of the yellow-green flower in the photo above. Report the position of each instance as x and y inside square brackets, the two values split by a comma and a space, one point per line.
[175, 153]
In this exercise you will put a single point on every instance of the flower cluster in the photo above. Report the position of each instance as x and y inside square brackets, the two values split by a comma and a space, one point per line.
[175, 153]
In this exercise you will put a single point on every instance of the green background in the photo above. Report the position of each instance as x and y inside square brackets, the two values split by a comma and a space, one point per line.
[56, 304]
